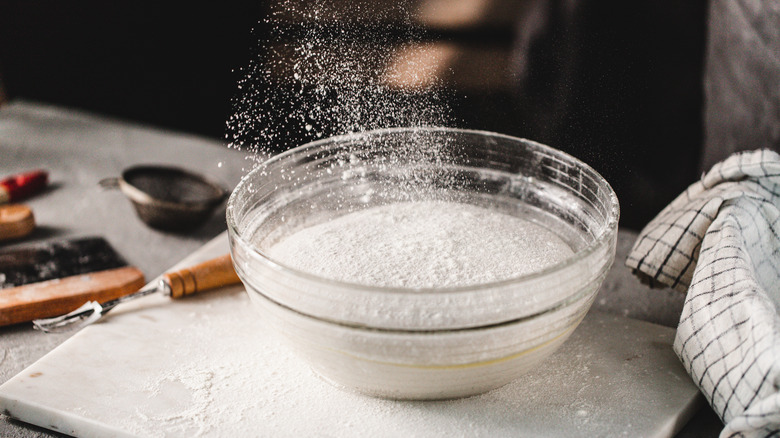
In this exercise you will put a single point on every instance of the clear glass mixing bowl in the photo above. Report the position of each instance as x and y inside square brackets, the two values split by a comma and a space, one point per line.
[331, 321]
[423, 365]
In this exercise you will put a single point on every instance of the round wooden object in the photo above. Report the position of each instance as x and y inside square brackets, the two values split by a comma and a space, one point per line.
[16, 221]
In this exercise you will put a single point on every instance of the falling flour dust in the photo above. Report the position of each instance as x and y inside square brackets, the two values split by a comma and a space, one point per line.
[322, 69]
[422, 245]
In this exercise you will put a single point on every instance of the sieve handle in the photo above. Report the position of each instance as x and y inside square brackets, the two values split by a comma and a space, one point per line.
[210, 274]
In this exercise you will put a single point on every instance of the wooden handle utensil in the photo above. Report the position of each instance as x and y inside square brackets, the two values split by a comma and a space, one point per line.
[55, 297]
[203, 276]
[210, 274]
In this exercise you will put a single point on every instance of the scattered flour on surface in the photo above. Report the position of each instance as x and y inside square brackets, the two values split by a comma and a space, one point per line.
[422, 245]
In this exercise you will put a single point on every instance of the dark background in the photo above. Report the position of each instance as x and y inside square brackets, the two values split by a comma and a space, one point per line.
[158, 63]
[617, 84]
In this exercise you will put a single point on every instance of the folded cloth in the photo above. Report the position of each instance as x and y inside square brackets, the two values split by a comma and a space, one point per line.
[719, 241]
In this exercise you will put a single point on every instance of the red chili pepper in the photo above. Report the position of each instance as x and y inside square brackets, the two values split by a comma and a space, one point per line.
[16, 187]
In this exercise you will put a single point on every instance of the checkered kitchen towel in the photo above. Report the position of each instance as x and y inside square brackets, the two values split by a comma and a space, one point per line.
[719, 241]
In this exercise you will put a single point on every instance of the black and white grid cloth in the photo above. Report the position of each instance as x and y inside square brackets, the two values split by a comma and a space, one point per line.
[719, 241]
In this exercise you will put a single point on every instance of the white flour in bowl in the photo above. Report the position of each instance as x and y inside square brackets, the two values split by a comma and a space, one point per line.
[422, 245]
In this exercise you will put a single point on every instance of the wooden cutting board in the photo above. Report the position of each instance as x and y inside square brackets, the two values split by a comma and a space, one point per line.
[52, 278]
[207, 366]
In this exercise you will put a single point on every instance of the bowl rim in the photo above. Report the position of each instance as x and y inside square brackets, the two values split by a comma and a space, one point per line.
[609, 231]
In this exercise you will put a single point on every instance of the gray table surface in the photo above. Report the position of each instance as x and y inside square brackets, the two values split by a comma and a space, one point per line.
[79, 149]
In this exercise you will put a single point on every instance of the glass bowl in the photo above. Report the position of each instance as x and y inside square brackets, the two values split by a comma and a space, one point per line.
[385, 331]
[422, 365]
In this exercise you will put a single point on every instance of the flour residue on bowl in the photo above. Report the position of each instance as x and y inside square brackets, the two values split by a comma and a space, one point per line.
[422, 244]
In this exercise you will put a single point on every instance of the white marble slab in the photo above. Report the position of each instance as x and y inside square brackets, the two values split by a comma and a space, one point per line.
[206, 366]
